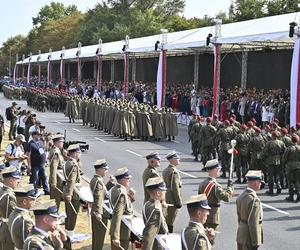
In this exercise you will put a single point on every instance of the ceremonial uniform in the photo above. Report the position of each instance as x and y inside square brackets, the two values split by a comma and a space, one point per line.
[72, 176]
[172, 179]
[122, 207]
[154, 219]
[249, 212]
[100, 194]
[208, 133]
[215, 194]
[194, 237]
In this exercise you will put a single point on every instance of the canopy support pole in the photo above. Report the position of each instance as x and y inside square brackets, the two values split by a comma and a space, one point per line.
[196, 70]
[133, 69]
[112, 70]
[244, 69]
[95, 70]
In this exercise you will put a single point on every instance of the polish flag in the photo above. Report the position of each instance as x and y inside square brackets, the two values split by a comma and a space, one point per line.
[161, 79]
[49, 71]
[14, 74]
[78, 70]
[215, 87]
[28, 73]
[295, 85]
[99, 62]
[62, 71]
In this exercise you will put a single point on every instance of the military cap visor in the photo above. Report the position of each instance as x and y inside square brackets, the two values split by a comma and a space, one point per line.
[156, 183]
[74, 148]
[254, 175]
[46, 208]
[154, 155]
[198, 201]
[58, 138]
[172, 155]
[212, 164]
[26, 191]
[11, 172]
[101, 164]
[122, 173]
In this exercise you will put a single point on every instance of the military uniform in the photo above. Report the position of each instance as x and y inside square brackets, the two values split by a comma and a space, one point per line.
[208, 133]
[194, 237]
[153, 216]
[56, 162]
[172, 179]
[72, 176]
[100, 194]
[13, 122]
[196, 139]
[122, 207]
[215, 194]
[242, 141]
[249, 212]
[254, 152]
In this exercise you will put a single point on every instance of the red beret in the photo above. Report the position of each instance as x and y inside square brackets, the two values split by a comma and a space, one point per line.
[276, 120]
[253, 120]
[257, 130]
[233, 116]
[249, 124]
[231, 120]
[226, 123]
[267, 126]
[284, 131]
[275, 133]
[244, 126]
[295, 138]
[208, 120]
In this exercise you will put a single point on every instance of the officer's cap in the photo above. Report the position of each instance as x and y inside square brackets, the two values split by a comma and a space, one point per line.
[156, 183]
[172, 155]
[14, 104]
[26, 191]
[212, 164]
[152, 155]
[101, 163]
[197, 201]
[11, 171]
[122, 173]
[57, 137]
[74, 148]
[46, 207]
[254, 175]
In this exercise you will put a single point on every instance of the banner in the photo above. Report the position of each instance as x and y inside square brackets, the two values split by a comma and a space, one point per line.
[15, 74]
[39, 73]
[215, 87]
[28, 73]
[49, 72]
[295, 85]
[161, 79]
[99, 67]
[62, 71]
[126, 74]
[78, 70]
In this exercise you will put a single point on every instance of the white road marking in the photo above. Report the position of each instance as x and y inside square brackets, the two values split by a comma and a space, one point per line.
[190, 175]
[99, 139]
[44, 116]
[58, 122]
[176, 142]
[134, 153]
[75, 129]
[276, 209]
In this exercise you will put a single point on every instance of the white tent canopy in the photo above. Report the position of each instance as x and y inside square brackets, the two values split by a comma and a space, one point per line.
[274, 29]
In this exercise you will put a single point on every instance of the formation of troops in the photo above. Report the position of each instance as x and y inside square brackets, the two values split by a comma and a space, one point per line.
[271, 155]
[273, 150]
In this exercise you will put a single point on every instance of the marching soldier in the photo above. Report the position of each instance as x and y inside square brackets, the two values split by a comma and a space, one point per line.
[121, 199]
[214, 193]
[154, 219]
[249, 212]
[172, 179]
[20, 223]
[272, 154]
[151, 171]
[196, 139]
[72, 176]
[46, 235]
[56, 162]
[11, 178]
[196, 236]
[291, 163]
[100, 194]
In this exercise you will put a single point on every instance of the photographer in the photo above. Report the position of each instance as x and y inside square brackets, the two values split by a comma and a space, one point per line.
[11, 115]
[21, 123]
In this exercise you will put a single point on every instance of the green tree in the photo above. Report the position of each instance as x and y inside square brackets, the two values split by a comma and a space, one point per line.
[249, 9]
[54, 11]
[277, 7]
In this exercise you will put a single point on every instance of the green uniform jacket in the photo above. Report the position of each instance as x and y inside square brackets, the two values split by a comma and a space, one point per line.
[249, 212]
[255, 147]
[149, 172]
[37, 241]
[122, 205]
[291, 157]
[273, 152]
[72, 175]
[20, 225]
[56, 161]
[214, 198]
[172, 179]
[154, 224]
[193, 237]
[207, 134]
[7, 205]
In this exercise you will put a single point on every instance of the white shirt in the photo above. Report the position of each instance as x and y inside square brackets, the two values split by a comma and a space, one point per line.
[44, 233]
[30, 131]
[21, 122]
[17, 151]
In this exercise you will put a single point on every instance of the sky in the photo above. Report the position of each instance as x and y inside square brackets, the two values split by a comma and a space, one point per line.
[16, 15]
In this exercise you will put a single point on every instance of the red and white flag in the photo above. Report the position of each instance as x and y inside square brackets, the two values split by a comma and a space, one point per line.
[28, 73]
[295, 85]
[215, 87]
[161, 79]
[99, 70]
[62, 71]
[78, 70]
[49, 72]
[126, 74]
[15, 74]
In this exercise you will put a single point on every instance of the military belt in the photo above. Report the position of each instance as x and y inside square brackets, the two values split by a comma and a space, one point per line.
[244, 221]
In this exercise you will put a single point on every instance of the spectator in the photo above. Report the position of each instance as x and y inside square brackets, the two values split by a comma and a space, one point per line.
[37, 160]
[33, 128]
[14, 152]
[21, 122]
[2, 129]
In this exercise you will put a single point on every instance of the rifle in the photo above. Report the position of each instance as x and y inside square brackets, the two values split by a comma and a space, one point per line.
[82, 144]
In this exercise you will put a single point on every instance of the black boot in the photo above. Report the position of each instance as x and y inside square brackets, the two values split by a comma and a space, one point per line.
[290, 198]
[238, 181]
[270, 192]
[278, 191]
[298, 198]
[170, 229]
[196, 158]
[169, 138]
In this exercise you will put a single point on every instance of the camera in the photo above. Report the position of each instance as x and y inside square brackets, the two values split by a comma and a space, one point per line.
[42, 127]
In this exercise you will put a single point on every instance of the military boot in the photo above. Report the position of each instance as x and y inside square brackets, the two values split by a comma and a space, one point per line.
[170, 228]
[298, 198]
[290, 198]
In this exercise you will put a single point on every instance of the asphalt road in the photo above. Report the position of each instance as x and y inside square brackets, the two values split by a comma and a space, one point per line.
[281, 220]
